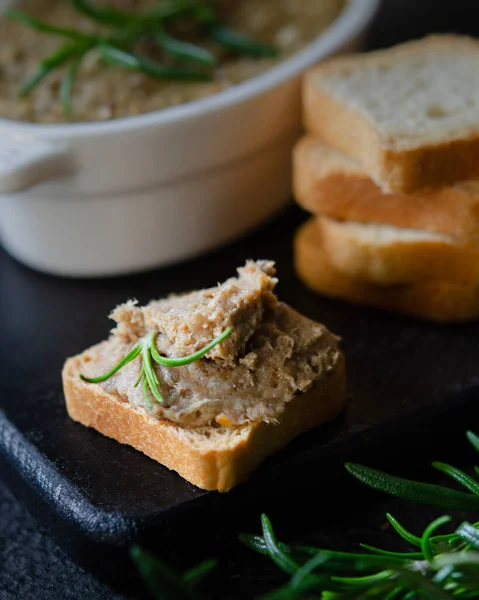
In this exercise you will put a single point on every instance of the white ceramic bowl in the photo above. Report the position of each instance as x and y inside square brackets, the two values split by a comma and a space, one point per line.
[96, 199]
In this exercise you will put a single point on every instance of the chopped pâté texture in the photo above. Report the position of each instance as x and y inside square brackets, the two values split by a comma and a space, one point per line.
[103, 93]
[190, 321]
[273, 354]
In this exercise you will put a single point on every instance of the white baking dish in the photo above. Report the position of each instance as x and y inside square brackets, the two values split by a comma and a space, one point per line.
[96, 199]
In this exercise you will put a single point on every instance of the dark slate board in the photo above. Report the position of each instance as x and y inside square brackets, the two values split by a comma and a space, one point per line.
[96, 496]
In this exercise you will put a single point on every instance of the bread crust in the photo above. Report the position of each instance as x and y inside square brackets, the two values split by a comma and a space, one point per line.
[443, 301]
[326, 181]
[396, 261]
[396, 166]
[207, 459]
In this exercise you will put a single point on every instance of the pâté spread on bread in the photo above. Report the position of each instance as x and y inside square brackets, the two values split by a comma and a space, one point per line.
[209, 382]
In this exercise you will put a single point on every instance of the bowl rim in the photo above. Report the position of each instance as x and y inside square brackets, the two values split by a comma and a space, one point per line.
[351, 21]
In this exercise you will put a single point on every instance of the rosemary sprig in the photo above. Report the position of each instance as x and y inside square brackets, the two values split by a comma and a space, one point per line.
[149, 353]
[446, 567]
[162, 583]
[432, 573]
[123, 30]
[425, 493]
[443, 567]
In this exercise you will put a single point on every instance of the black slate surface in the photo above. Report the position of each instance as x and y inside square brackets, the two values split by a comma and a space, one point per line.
[97, 496]
[396, 366]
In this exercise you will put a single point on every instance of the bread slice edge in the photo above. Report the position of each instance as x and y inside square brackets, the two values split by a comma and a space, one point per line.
[328, 182]
[439, 300]
[387, 255]
[395, 165]
[204, 457]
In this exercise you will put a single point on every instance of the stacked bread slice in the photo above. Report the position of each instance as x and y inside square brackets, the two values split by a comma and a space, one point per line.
[389, 166]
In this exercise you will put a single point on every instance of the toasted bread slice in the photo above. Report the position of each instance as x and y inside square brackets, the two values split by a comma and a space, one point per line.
[213, 458]
[408, 114]
[328, 182]
[445, 300]
[387, 255]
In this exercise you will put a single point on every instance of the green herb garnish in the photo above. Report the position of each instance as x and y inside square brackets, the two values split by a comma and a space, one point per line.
[123, 30]
[162, 583]
[425, 493]
[447, 567]
[147, 348]
[441, 567]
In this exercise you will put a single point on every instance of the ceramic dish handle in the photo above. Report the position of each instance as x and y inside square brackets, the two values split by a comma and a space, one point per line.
[25, 162]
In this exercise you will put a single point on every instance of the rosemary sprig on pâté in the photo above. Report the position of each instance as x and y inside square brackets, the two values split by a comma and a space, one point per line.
[121, 32]
[149, 353]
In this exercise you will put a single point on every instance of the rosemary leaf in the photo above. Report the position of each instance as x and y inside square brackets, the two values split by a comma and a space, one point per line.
[165, 11]
[117, 57]
[161, 582]
[424, 493]
[420, 584]
[124, 361]
[458, 476]
[195, 575]
[150, 375]
[34, 79]
[240, 43]
[146, 393]
[47, 65]
[184, 50]
[426, 547]
[473, 439]
[363, 581]
[284, 562]
[458, 559]
[443, 574]
[186, 360]
[288, 593]
[154, 69]
[254, 542]
[257, 543]
[127, 60]
[404, 555]
[66, 86]
[469, 534]
[21, 17]
[330, 561]
[303, 575]
[394, 593]
[107, 16]
[403, 532]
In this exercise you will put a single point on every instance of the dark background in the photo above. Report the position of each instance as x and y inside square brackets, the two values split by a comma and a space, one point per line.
[338, 515]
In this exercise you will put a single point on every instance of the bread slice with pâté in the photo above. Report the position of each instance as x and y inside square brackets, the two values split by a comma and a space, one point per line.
[210, 412]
